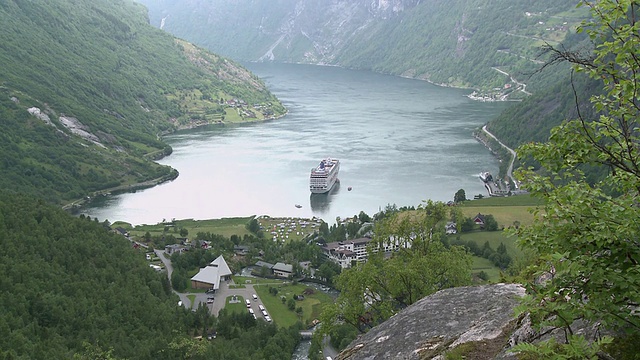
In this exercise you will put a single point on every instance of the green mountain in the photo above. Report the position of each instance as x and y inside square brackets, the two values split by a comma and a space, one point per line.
[72, 289]
[87, 88]
[61, 287]
[488, 45]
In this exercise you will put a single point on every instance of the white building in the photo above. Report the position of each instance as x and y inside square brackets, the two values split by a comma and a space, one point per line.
[210, 276]
[345, 253]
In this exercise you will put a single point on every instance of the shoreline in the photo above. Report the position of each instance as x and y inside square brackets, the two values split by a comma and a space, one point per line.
[76, 205]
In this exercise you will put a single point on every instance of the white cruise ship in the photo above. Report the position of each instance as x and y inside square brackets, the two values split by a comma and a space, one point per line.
[324, 176]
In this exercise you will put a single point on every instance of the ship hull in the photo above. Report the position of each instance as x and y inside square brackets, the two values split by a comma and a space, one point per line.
[324, 176]
[324, 190]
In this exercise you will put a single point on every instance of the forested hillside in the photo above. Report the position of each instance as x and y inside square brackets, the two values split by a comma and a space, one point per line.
[61, 287]
[460, 43]
[73, 289]
[87, 88]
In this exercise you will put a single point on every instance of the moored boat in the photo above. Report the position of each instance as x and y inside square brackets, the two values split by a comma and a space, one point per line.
[485, 176]
[324, 176]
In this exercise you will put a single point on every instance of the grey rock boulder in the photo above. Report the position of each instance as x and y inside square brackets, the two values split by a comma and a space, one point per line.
[482, 316]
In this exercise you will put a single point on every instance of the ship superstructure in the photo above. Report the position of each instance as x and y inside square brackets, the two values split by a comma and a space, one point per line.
[324, 176]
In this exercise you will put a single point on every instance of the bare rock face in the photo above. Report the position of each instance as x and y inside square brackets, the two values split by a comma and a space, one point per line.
[482, 315]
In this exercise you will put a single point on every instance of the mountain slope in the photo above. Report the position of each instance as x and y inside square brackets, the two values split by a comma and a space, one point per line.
[67, 281]
[460, 43]
[87, 87]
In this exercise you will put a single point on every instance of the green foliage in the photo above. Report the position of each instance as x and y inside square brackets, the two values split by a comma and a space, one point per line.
[587, 234]
[101, 63]
[70, 287]
[253, 226]
[342, 335]
[499, 258]
[490, 223]
[576, 348]
[460, 196]
[373, 291]
[454, 42]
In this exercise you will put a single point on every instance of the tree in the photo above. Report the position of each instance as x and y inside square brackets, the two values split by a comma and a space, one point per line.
[460, 196]
[324, 229]
[184, 232]
[490, 223]
[363, 217]
[467, 224]
[587, 234]
[371, 292]
[253, 226]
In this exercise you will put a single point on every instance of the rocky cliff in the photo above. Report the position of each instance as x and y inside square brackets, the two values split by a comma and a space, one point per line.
[480, 317]
[473, 323]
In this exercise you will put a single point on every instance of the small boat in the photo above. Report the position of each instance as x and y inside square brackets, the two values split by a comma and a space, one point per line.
[349, 188]
[298, 206]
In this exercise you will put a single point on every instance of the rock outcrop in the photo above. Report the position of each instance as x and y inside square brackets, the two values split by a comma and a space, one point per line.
[481, 316]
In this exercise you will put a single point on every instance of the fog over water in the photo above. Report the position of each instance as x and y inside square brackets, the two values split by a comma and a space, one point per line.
[400, 141]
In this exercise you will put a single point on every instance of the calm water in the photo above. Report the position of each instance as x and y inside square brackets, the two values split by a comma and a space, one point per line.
[400, 141]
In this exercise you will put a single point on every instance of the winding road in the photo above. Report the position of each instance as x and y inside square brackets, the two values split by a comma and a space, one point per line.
[513, 156]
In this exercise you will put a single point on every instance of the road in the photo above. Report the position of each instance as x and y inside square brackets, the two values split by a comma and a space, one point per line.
[513, 156]
[224, 292]
[522, 86]
[167, 265]
[219, 296]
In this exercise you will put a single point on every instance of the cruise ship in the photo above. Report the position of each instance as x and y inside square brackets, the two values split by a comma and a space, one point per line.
[324, 176]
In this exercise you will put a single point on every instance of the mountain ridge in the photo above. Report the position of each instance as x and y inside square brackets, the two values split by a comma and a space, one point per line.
[88, 88]
[454, 43]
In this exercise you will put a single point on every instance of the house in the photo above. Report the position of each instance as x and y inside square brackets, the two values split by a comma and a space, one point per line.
[479, 220]
[174, 248]
[121, 231]
[241, 250]
[450, 228]
[264, 264]
[345, 252]
[282, 270]
[211, 275]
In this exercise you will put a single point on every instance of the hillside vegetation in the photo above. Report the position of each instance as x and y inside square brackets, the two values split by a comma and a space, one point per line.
[459, 43]
[61, 287]
[72, 289]
[88, 87]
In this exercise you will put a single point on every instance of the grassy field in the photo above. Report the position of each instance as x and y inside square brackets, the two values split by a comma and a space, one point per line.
[505, 210]
[482, 264]
[287, 229]
[236, 307]
[494, 238]
[255, 281]
[311, 305]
